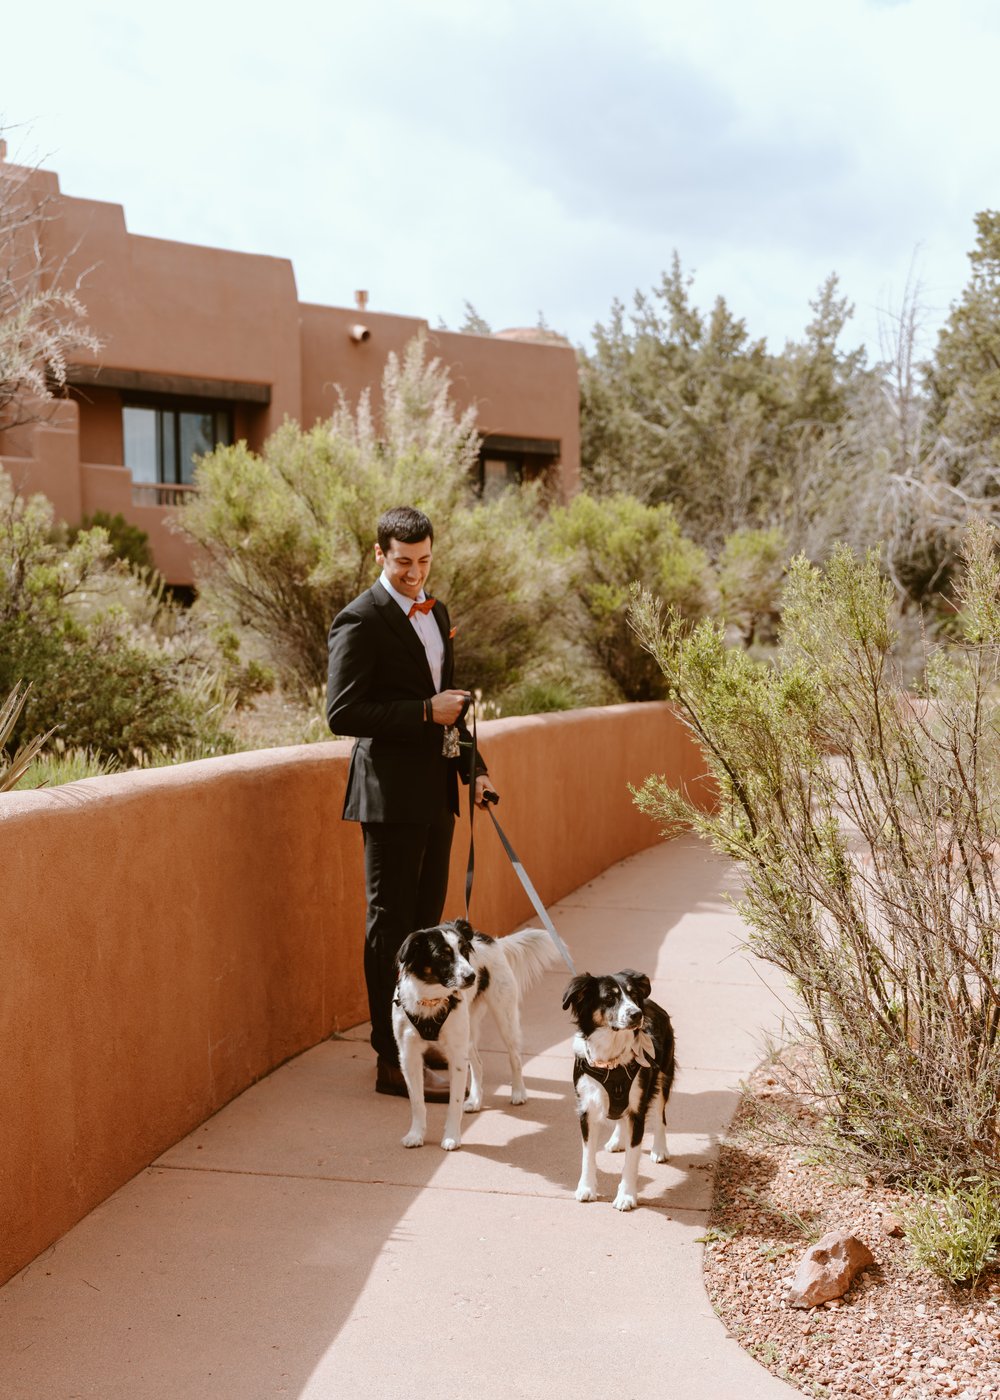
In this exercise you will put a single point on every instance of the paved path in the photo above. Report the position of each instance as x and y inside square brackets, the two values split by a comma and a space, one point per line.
[292, 1247]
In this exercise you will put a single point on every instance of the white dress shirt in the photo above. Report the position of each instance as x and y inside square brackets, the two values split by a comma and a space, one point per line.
[425, 627]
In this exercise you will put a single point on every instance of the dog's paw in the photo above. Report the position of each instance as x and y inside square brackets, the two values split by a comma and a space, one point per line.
[587, 1193]
[413, 1139]
[614, 1143]
[473, 1105]
[451, 1144]
[519, 1096]
[659, 1156]
[625, 1200]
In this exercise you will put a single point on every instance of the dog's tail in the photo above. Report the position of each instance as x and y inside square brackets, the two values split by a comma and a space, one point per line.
[528, 952]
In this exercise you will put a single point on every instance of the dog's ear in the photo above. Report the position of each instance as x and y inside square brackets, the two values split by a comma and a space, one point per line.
[404, 950]
[637, 982]
[463, 927]
[574, 991]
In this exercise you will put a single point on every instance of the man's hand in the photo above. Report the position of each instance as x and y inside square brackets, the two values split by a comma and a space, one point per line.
[447, 705]
[484, 786]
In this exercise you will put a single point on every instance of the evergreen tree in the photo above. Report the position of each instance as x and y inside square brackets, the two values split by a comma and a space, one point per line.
[689, 409]
[963, 378]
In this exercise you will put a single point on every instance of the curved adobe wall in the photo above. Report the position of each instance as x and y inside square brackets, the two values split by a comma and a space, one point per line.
[171, 936]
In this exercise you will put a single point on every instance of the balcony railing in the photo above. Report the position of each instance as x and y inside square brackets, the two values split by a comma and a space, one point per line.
[160, 493]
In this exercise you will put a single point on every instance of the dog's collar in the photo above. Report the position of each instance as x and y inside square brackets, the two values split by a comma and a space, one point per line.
[429, 1027]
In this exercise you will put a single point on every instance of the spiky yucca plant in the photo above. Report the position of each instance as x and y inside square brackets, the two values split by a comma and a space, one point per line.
[13, 769]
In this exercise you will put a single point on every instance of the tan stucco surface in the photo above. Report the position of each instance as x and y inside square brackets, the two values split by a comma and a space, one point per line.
[171, 936]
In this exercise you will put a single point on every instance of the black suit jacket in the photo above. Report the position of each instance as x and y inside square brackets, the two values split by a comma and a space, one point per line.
[377, 683]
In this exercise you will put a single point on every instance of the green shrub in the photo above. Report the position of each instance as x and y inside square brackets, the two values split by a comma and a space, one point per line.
[109, 664]
[605, 545]
[500, 590]
[288, 535]
[750, 571]
[126, 541]
[955, 1230]
[866, 824]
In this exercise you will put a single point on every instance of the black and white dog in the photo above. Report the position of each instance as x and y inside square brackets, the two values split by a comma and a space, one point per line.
[624, 1066]
[447, 977]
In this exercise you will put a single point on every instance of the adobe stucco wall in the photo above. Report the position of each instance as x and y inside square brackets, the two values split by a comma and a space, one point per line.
[518, 389]
[171, 936]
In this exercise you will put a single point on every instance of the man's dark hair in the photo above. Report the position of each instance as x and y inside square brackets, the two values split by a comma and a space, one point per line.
[404, 524]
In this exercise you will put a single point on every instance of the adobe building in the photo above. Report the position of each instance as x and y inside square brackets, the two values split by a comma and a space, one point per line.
[203, 346]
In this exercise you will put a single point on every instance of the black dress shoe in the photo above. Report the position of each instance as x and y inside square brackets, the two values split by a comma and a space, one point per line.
[389, 1080]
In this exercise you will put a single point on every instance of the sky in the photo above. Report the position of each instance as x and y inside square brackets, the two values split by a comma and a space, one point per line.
[535, 157]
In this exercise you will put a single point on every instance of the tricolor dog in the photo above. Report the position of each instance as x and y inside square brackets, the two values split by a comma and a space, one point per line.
[624, 1067]
[447, 976]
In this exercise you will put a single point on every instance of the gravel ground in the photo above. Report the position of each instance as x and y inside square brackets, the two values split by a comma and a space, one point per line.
[274, 720]
[897, 1333]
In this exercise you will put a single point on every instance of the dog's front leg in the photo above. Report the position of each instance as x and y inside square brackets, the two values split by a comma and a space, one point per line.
[587, 1187]
[459, 1068]
[411, 1062]
[628, 1188]
[659, 1109]
[455, 1044]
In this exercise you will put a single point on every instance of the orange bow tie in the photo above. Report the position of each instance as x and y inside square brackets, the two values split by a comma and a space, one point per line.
[425, 607]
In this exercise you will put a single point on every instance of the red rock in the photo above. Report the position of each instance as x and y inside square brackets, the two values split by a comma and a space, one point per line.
[828, 1268]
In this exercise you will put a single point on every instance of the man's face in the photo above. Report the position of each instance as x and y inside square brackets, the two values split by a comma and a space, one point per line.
[406, 566]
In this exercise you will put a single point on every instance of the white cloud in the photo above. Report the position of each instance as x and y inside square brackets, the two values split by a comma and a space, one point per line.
[535, 156]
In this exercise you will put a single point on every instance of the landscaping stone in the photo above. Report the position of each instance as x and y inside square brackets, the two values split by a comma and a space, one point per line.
[828, 1268]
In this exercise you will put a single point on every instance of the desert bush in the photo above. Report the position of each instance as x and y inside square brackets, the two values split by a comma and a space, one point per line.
[604, 544]
[288, 535]
[88, 634]
[125, 540]
[866, 822]
[503, 586]
[954, 1230]
[750, 571]
[42, 321]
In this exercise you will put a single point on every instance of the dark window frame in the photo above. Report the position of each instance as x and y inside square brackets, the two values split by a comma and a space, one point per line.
[526, 458]
[175, 405]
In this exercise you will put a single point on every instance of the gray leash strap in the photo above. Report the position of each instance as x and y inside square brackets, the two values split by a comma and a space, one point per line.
[512, 856]
[532, 894]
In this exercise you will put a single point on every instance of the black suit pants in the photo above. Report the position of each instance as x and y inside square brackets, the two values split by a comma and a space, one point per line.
[406, 881]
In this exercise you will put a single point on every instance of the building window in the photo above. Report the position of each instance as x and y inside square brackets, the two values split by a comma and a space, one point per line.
[496, 474]
[509, 461]
[162, 442]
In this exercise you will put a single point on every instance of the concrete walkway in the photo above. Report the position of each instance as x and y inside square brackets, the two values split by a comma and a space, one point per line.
[292, 1247]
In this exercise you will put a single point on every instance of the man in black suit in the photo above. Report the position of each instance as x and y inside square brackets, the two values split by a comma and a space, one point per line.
[390, 683]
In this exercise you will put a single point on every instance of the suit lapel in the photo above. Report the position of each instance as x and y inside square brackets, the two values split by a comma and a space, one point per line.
[396, 620]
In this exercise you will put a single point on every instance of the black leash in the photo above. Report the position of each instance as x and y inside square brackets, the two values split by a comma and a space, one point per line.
[491, 799]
